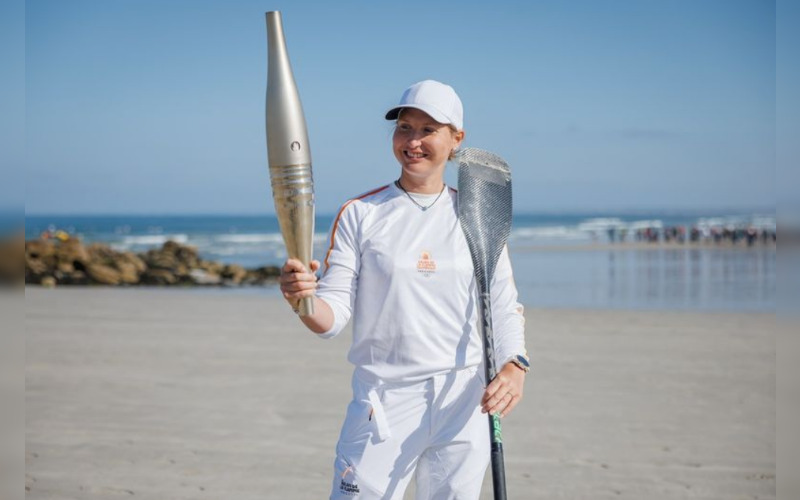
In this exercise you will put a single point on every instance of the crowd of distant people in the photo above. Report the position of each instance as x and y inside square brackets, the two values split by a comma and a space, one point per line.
[705, 234]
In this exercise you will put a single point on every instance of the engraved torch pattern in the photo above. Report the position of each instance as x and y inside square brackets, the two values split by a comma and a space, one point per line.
[288, 152]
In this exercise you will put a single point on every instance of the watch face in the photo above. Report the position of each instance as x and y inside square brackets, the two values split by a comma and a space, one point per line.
[523, 361]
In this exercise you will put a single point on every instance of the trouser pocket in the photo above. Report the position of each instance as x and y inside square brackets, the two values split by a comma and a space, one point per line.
[378, 415]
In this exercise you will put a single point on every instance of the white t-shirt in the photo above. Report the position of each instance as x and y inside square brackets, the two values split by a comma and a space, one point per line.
[406, 277]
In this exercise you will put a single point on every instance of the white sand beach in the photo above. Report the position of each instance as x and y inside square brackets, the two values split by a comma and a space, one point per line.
[171, 395]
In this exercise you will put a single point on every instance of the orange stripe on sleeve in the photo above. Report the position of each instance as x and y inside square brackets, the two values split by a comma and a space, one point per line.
[339, 215]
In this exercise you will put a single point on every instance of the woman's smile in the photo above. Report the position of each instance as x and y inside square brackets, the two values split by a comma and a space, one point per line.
[414, 156]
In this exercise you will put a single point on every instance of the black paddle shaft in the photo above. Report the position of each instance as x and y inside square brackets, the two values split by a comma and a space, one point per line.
[495, 430]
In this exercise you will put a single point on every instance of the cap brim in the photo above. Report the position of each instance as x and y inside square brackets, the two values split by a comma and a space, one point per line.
[393, 113]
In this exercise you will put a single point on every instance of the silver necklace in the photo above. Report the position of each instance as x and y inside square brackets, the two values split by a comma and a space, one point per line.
[421, 207]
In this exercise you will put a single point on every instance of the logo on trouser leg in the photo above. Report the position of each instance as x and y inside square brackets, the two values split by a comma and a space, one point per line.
[347, 487]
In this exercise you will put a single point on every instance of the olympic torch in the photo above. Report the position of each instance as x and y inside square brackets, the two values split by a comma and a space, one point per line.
[289, 153]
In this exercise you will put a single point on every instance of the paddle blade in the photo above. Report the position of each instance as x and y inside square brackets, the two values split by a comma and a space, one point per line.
[484, 208]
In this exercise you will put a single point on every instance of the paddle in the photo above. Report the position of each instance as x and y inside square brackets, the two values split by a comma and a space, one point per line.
[484, 211]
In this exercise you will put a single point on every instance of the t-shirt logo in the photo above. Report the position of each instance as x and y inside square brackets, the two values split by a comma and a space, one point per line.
[348, 488]
[426, 265]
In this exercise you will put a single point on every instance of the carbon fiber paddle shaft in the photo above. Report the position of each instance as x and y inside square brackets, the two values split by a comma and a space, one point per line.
[484, 211]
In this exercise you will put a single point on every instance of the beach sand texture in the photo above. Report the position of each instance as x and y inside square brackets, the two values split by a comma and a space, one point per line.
[170, 395]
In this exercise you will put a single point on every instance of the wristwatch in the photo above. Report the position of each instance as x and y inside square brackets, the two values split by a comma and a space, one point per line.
[522, 361]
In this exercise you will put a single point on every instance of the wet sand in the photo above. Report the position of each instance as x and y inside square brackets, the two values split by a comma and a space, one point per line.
[165, 394]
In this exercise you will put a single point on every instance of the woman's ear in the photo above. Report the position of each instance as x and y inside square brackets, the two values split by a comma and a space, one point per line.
[459, 137]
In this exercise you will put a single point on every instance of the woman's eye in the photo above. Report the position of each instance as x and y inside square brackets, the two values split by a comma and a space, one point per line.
[430, 130]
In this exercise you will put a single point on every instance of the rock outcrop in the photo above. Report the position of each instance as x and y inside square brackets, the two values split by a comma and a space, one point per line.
[54, 262]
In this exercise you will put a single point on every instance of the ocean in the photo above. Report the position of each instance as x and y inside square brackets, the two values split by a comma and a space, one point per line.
[560, 260]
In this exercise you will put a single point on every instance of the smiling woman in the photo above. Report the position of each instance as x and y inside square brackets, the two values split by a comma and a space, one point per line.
[422, 146]
[430, 121]
[399, 264]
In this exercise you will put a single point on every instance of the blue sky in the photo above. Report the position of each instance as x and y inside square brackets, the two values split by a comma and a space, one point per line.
[158, 107]
[788, 109]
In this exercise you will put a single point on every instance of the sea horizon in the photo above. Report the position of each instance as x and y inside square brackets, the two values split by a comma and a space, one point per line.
[689, 210]
[596, 272]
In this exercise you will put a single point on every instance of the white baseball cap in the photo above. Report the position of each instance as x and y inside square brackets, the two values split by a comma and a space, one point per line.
[440, 101]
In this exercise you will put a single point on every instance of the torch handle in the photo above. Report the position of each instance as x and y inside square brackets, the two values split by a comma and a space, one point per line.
[306, 306]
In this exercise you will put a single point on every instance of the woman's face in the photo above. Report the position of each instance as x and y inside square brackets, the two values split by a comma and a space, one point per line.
[421, 144]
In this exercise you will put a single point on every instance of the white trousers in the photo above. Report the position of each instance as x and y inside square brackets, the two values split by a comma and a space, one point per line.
[434, 428]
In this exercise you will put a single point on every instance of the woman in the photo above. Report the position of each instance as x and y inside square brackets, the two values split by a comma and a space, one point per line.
[398, 263]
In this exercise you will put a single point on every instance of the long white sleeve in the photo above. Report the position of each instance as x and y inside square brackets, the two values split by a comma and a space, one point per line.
[507, 313]
[340, 269]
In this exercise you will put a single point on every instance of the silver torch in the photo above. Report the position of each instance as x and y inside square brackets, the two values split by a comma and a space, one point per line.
[289, 153]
